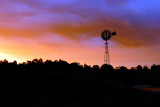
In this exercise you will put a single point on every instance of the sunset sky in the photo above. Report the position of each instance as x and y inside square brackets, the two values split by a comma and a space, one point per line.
[70, 30]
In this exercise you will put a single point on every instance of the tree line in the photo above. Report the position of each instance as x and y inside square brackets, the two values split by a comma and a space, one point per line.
[37, 65]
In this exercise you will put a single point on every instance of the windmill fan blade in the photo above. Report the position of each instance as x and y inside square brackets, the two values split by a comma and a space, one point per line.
[114, 33]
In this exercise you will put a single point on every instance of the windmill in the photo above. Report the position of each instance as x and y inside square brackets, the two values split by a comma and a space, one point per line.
[106, 35]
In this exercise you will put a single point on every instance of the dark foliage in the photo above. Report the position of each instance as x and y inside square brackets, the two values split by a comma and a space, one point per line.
[37, 65]
[39, 83]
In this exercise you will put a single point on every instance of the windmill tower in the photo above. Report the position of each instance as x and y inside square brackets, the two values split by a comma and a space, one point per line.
[106, 35]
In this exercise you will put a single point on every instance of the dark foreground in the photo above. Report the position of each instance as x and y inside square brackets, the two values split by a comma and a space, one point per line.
[73, 90]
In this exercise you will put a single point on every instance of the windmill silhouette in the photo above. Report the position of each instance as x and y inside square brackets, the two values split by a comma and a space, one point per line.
[106, 35]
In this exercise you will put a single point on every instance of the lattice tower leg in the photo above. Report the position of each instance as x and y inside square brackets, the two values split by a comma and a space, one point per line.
[106, 55]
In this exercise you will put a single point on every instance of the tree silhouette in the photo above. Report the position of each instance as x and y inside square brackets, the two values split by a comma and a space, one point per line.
[145, 68]
[139, 68]
[107, 68]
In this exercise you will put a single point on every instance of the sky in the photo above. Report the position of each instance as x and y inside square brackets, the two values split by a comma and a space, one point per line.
[71, 30]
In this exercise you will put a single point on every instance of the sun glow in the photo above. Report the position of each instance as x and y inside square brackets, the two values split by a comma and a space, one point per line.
[10, 58]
